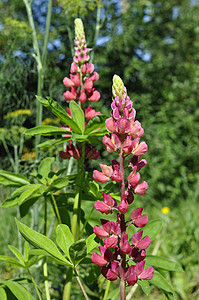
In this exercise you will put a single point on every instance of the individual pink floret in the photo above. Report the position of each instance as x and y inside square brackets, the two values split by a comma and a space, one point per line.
[138, 220]
[140, 243]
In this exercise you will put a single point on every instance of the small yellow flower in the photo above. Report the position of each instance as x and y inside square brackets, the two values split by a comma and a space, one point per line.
[18, 112]
[165, 210]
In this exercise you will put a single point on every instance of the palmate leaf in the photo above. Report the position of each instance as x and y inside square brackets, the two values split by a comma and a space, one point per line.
[42, 242]
[60, 112]
[47, 130]
[12, 180]
[78, 115]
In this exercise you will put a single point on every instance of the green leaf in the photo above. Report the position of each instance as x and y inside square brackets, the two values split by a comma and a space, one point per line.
[60, 183]
[12, 180]
[18, 290]
[152, 229]
[41, 241]
[91, 243]
[79, 137]
[11, 260]
[64, 238]
[93, 189]
[45, 166]
[47, 130]
[163, 263]
[26, 251]
[96, 123]
[159, 281]
[78, 251]
[3, 295]
[54, 142]
[78, 115]
[10, 202]
[16, 252]
[28, 193]
[59, 111]
[144, 284]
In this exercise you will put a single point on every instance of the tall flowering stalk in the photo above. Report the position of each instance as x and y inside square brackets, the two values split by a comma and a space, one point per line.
[125, 260]
[80, 84]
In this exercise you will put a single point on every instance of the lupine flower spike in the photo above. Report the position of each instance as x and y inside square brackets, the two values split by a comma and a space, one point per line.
[80, 84]
[122, 257]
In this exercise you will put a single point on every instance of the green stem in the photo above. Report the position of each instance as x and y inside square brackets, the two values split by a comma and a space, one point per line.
[56, 208]
[35, 285]
[45, 266]
[68, 283]
[81, 285]
[97, 29]
[75, 228]
[107, 289]
[86, 221]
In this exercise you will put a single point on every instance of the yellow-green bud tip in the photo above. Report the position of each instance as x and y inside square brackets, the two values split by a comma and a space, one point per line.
[79, 29]
[118, 86]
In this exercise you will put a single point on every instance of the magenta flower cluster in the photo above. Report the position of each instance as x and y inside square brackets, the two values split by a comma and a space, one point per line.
[80, 83]
[120, 257]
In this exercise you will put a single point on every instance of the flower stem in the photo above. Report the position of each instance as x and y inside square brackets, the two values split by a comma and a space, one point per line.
[107, 289]
[77, 203]
[122, 290]
[56, 208]
[45, 266]
[68, 283]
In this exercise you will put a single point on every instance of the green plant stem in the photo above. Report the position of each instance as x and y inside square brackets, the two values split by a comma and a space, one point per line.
[35, 285]
[86, 221]
[81, 285]
[68, 283]
[97, 29]
[56, 208]
[107, 289]
[45, 266]
[75, 228]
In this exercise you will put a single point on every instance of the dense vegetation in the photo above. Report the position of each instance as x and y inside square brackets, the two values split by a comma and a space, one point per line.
[153, 46]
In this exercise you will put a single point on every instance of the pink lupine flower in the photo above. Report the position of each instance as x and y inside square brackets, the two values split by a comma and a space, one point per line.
[134, 162]
[127, 145]
[142, 274]
[123, 206]
[106, 206]
[73, 68]
[100, 232]
[124, 244]
[138, 220]
[95, 96]
[141, 188]
[75, 79]
[111, 272]
[141, 149]
[68, 82]
[100, 177]
[88, 84]
[136, 130]
[94, 77]
[90, 113]
[133, 179]
[69, 96]
[137, 255]
[131, 276]
[110, 147]
[106, 170]
[104, 259]
[111, 241]
[110, 125]
[123, 126]
[64, 155]
[115, 140]
[87, 68]
[140, 243]
[82, 97]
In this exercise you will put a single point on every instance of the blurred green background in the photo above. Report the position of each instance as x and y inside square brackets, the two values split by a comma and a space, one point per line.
[154, 47]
